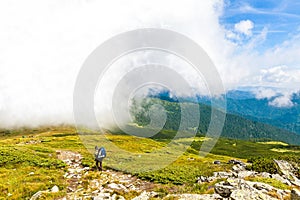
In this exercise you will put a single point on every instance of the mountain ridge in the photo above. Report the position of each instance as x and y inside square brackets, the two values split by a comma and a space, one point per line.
[235, 127]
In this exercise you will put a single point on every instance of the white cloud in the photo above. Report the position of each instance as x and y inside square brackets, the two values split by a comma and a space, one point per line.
[276, 74]
[265, 93]
[244, 27]
[44, 43]
[279, 77]
[282, 101]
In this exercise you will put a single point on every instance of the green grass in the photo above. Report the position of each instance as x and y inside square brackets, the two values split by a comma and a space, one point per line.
[19, 157]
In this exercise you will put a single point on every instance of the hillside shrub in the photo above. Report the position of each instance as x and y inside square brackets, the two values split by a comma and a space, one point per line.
[262, 164]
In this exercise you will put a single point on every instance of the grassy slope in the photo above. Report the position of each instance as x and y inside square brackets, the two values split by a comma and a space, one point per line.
[18, 159]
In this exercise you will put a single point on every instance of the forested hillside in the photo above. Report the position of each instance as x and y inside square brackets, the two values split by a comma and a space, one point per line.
[235, 126]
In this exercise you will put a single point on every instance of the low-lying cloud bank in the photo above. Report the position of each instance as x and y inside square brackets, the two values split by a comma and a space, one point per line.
[44, 44]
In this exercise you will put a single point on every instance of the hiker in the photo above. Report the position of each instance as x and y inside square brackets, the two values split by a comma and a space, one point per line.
[100, 154]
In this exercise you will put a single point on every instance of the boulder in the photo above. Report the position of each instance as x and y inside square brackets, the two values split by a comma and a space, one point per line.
[146, 195]
[224, 189]
[262, 186]
[237, 162]
[238, 168]
[249, 195]
[235, 188]
[55, 189]
[288, 171]
[285, 167]
[36, 195]
[223, 174]
[244, 174]
[217, 162]
[115, 186]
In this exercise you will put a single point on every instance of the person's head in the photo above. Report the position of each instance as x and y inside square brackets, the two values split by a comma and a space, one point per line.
[96, 147]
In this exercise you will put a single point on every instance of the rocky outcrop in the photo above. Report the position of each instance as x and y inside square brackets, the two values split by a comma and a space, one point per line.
[288, 172]
[236, 187]
[240, 189]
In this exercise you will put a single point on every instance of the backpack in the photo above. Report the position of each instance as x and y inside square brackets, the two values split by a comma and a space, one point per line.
[101, 154]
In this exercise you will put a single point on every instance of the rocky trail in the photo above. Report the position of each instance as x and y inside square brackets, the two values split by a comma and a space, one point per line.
[113, 185]
[110, 185]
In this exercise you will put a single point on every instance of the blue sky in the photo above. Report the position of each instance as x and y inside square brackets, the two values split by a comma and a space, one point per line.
[281, 18]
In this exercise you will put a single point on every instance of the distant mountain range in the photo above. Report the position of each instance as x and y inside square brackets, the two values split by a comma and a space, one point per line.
[244, 103]
[235, 126]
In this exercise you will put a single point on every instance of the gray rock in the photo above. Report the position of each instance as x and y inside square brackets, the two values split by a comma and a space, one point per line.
[36, 195]
[285, 167]
[145, 195]
[237, 162]
[102, 196]
[115, 186]
[235, 188]
[217, 162]
[249, 195]
[244, 174]
[281, 179]
[224, 189]
[223, 174]
[202, 179]
[295, 194]
[55, 189]
[262, 186]
[238, 168]
[265, 175]
[195, 196]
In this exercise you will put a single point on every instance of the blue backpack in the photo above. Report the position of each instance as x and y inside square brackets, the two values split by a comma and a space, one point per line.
[101, 154]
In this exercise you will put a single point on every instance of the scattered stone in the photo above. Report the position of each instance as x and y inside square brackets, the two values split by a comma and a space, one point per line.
[55, 189]
[146, 195]
[236, 162]
[249, 195]
[202, 179]
[265, 175]
[238, 168]
[194, 196]
[217, 162]
[36, 195]
[224, 189]
[244, 174]
[31, 173]
[102, 196]
[223, 174]
[117, 186]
